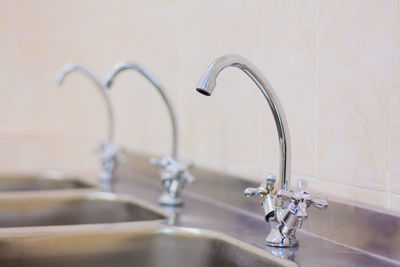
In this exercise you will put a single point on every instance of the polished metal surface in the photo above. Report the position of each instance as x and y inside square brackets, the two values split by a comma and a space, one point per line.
[285, 209]
[208, 206]
[72, 208]
[373, 230]
[216, 217]
[174, 174]
[149, 245]
[208, 82]
[110, 153]
[346, 235]
[369, 229]
[290, 213]
[110, 156]
[45, 181]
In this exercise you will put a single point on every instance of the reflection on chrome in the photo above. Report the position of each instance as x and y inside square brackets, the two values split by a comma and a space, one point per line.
[286, 209]
[284, 253]
[174, 174]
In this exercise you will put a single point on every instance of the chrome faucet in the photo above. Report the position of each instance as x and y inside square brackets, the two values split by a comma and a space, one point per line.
[174, 174]
[111, 154]
[285, 209]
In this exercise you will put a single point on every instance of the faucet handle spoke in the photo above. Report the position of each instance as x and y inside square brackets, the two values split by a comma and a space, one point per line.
[302, 196]
[284, 195]
[155, 162]
[189, 178]
[267, 192]
[163, 163]
[112, 151]
[251, 191]
[264, 189]
[319, 203]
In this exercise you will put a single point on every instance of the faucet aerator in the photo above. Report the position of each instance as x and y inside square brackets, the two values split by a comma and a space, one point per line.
[59, 80]
[206, 85]
[108, 84]
[203, 91]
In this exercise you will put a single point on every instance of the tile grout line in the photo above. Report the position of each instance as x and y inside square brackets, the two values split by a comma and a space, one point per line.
[357, 188]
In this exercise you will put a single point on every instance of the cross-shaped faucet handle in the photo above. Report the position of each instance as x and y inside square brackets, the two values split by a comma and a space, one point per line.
[301, 199]
[174, 169]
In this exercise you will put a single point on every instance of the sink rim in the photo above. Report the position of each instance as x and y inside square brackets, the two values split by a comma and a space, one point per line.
[149, 228]
[74, 195]
[53, 176]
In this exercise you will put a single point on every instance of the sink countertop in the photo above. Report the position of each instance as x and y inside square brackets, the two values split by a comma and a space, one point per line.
[216, 202]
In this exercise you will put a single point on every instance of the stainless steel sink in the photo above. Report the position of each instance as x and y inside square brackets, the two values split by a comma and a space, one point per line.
[149, 245]
[46, 181]
[71, 208]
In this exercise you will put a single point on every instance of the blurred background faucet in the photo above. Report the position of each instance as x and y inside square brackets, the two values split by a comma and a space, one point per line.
[174, 174]
[286, 209]
[110, 153]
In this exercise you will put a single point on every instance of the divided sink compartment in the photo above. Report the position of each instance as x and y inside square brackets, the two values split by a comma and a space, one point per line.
[73, 208]
[46, 181]
[89, 228]
[150, 244]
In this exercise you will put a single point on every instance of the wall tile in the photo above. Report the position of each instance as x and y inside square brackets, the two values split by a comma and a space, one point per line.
[395, 142]
[353, 92]
[332, 190]
[288, 60]
[143, 6]
[394, 100]
[152, 42]
[201, 121]
[77, 99]
[37, 153]
[240, 28]
[59, 19]
[9, 57]
[396, 45]
[9, 19]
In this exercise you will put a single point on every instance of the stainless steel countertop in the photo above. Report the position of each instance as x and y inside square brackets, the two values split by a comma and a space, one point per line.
[216, 202]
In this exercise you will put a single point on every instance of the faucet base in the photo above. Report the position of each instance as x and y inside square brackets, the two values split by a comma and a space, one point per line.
[106, 182]
[276, 239]
[167, 200]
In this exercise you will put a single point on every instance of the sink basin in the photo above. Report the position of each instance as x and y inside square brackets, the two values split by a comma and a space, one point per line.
[142, 246]
[47, 181]
[70, 208]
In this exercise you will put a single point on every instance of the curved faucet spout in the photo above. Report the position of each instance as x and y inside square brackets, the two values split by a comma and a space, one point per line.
[208, 82]
[108, 81]
[70, 67]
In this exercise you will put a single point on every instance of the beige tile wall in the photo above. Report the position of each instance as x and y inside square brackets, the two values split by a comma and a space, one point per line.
[334, 64]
